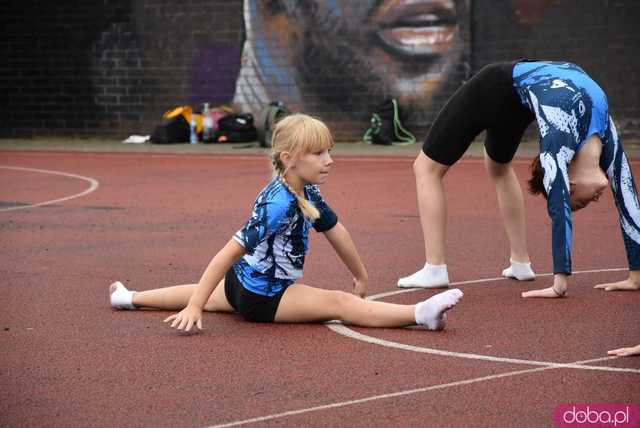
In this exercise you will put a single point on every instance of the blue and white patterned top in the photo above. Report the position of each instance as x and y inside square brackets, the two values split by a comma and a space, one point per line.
[570, 107]
[276, 236]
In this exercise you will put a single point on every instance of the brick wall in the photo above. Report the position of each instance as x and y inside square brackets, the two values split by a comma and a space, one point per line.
[44, 71]
[602, 36]
[110, 68]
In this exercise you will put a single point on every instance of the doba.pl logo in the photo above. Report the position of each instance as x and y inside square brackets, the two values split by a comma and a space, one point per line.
[597, 415]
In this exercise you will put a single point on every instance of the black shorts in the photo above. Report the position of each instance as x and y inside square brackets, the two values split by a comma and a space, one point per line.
[251, 306]
[486, 102]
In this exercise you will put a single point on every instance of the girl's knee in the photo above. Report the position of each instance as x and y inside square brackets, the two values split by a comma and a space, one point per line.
[496, 169]
[343, 302]
[424, 166]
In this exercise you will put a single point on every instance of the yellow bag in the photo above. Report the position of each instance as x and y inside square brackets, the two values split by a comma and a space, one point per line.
[187, 113]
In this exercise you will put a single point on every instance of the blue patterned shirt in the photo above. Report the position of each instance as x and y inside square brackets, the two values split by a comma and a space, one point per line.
[570, 107]
[275, 238]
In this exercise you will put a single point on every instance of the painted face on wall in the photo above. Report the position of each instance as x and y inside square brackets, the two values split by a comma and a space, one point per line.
[364, 50]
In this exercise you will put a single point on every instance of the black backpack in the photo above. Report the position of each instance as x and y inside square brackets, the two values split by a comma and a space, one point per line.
[235, 128]
[386, 127]
[174, 127]
[269, 116]
[171, 131]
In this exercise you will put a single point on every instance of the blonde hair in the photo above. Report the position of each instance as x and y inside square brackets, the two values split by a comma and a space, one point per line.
[298, 134]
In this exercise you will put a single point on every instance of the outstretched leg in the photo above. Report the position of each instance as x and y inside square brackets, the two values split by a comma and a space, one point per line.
[511, 203]
[433, 219]
[301, 303]
[168, 298]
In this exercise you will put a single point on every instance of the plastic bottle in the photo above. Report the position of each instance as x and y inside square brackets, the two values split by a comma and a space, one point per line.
[193, 137]
[207, 121]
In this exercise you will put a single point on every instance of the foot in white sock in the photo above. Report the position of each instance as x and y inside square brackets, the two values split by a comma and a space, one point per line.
[519, 271]
[120, 297]
[430, 276]
[431, 313]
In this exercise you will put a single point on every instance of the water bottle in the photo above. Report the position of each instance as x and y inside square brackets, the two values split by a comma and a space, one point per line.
[193, 137]
[207, 121]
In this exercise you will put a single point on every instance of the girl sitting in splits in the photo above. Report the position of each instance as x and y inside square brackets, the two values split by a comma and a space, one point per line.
[255, 273]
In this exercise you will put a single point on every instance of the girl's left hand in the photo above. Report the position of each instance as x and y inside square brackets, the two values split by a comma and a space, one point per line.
[559, 288]
[360, 287]
[543, 292]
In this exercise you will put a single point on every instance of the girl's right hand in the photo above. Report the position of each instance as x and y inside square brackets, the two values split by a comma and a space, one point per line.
[360, 287]
[186, 318]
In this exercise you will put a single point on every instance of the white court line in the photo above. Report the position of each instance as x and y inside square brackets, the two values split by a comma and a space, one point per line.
[339, 328]
[400, 394]
[545, 365]
[478, 281]
[93, 185]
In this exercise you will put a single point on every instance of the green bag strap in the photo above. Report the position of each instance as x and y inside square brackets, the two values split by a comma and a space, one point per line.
[404, 137]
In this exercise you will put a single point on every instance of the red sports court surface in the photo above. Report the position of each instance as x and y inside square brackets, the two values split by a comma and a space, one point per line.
[149, 220]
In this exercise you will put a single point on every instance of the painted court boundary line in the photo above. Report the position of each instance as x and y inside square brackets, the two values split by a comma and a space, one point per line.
[93, 185]
[400, 393]
[336, 326]
[389, 344]
[341, 329]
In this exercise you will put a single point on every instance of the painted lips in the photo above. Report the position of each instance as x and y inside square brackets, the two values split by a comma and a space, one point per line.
[414, 28]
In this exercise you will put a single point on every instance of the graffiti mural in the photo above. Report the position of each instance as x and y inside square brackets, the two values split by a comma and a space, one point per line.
[340, 58]
[114, 67]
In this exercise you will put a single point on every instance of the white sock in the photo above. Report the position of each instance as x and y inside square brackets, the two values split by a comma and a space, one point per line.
[121, 298]
[519, 271]
[430, 276]
[431, 312]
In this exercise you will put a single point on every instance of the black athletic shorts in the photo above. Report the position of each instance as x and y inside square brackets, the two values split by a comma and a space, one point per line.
[251, 306]
[488, 101]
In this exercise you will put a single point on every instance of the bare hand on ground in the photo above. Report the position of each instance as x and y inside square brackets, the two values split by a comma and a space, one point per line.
[626, 285]
[360, 287]
[186, 318]
[625, 352]
[543, 292]
[559, 288]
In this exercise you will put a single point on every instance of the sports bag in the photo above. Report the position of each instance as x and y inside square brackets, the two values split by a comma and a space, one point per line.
[386, 127]
[235, 128]
[174, 127]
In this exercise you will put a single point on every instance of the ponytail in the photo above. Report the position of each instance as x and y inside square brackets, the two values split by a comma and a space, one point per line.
[308, 209]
